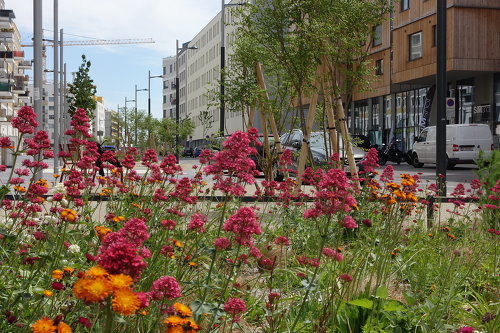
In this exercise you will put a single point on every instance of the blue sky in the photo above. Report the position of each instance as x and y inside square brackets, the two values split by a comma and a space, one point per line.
[116, 69]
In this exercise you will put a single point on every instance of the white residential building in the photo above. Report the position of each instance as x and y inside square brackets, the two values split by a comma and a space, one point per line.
[99, 119]
[199, 72]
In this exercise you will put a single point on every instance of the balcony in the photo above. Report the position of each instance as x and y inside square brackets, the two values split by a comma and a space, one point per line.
[18, 89]
[18, 55]
[7, 55]
[4, 76]
[24, 96]
[25, 64]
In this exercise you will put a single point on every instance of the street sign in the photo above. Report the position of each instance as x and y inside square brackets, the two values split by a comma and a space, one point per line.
[450, 108]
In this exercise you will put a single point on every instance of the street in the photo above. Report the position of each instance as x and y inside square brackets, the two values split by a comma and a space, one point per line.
[461, 174]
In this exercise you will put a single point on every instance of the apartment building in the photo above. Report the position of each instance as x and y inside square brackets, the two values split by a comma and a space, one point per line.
[403, 53]
[13, 80]
[169, 87]
[111, 126]
[98, 122]
[199, 71]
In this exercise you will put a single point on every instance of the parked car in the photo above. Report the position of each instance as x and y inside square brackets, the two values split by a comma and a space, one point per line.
[108, 147]
[260, 156]
[463, 144]
[197, 151]
[188, 152]
[318, 143]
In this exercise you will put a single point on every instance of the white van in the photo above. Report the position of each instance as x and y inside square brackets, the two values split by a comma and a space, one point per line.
[463, 143]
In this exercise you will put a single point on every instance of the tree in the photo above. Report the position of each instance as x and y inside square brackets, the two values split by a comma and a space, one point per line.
[82, 90]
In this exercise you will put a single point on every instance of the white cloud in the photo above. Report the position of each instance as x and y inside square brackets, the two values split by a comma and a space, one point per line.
[162, 20]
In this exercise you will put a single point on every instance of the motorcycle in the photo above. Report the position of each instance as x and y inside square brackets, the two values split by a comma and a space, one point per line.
[392, 153]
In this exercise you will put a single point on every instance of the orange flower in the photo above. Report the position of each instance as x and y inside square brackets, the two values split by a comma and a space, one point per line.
[92, 290]
[96, 271]
[68, 270]
[183, 310]
[174, 321]
[43, 325]
[120, 281]
[177, 243]
[56, 175]
[192, 264]
[63, 328]
[118, 218]
[125, 302]
[102, 231]
[19, 188]
[48, 293]
[68, 215]
[57, 274]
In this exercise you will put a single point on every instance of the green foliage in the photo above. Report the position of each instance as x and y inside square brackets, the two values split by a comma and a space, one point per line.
[82, 90]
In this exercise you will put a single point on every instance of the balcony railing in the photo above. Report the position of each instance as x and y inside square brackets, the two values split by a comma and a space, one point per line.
[18, 54]
[5, 87]
[24, 63]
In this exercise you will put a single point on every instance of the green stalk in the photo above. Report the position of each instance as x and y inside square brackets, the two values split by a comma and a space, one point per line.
[109, 318]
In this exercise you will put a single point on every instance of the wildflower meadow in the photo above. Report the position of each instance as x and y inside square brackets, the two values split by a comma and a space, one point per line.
[220, 252]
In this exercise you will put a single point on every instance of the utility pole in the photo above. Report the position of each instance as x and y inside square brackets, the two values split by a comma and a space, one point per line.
[57, 123]
[441, 90]
[38, 61]
[222, 116]
[135, 112]
[149, 100]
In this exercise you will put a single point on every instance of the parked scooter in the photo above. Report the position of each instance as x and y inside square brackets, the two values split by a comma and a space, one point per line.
[392, 153]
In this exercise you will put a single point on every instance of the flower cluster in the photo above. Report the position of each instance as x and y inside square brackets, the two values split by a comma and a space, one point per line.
[243, 224]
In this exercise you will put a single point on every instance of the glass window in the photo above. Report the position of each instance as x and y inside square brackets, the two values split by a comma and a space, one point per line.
[416, 45]
[405, 5]
[379, 67]
[377, 35]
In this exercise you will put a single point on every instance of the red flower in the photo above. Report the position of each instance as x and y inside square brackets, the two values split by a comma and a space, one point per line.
[197, 222]
[235, 306]
[84, 322]
[243, 224]
[166, 287]
[345, 277]
[222, 243]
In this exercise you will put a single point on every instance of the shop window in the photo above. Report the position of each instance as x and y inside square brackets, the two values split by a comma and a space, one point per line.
[415, 45]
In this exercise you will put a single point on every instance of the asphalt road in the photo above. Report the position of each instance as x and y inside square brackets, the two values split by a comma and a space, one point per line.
[461, 174]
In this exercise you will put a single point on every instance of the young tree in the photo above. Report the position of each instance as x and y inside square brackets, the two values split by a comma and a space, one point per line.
[82, 90]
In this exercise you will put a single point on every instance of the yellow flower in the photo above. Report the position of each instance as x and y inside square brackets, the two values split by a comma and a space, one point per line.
[57, 274]
[48, 293]
[125, 302]
[120, 281]
[19, 188]
[183, 310]
[63, 328]
[43, 325]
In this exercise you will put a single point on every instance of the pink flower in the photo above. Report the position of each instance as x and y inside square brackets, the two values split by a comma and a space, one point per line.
[331, 253]
[367, 222]
[222, 243]
[466, 329]
[234, 307]
[345, 277]
[119, 255]
[25, 121]
[166, 287]
[282, 240]
[388, 174]
[197, 222]
[243, 224]
[168, 224]
[255, 252]
[370, 161]
[349, 222]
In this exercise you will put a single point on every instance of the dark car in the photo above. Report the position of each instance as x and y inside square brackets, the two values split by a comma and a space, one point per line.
[197, 151]
[188, 152]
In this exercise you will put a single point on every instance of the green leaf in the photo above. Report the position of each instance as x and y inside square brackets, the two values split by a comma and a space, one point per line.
[362, 302]
[392, 306]
[4, 190]
[382, 292]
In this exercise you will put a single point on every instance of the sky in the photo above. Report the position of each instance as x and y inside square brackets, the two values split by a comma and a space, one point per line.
[116, 69]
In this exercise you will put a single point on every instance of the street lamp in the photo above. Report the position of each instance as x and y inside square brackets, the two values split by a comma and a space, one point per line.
[135, 122]
[177, 49]
[149, 99]
[126, 125]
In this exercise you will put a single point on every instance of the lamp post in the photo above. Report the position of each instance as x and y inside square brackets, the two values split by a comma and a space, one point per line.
[126, 125]
[177, 49]
[149, 99]
[135, 121]
[441, 89]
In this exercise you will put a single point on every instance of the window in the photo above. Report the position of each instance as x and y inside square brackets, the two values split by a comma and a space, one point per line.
[405, 5]
[379, 67]
[377, 35]
[434, 36]
[171, 68]
[164, 70]
[164, 99]
[416, 46]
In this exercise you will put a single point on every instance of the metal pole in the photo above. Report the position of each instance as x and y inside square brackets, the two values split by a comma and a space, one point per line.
[65, 101]
[177, 99]
[38, 61]
[117, 142]
[62, 113]
[222, 66]
[56, 87]
[125, 116]
[441, 89]
[135, 120]
[149, 106]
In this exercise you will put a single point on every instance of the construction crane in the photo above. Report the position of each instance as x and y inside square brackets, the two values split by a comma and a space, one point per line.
[97, 42]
